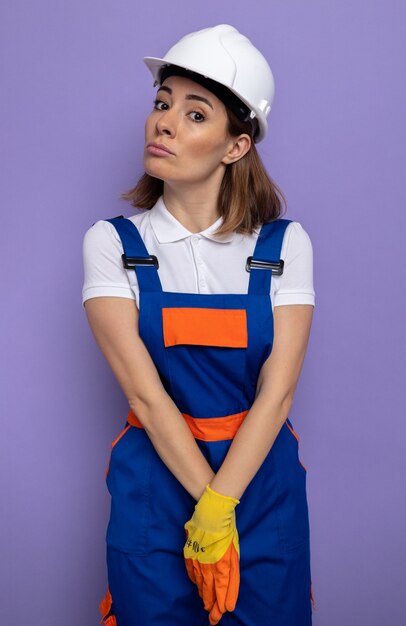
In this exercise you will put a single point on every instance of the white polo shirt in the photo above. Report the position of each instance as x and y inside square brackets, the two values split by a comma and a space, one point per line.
[193, 262]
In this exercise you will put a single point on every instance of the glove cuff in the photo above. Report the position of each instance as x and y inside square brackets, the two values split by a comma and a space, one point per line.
[220, 495]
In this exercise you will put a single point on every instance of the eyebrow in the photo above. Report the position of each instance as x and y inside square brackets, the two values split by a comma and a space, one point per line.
[190, 96]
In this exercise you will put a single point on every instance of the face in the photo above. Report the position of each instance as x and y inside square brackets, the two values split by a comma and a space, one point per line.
[190, 122]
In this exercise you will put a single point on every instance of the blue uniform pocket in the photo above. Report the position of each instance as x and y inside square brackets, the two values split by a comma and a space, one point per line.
[292, 509]
[128, 481]
[206, 354]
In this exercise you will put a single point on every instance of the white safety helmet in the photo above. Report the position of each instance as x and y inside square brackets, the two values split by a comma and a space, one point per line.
[224, 55]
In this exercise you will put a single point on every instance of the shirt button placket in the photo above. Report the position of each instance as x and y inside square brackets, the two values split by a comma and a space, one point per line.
[199, 263]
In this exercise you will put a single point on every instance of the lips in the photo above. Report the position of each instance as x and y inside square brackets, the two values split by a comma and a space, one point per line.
[158, 148]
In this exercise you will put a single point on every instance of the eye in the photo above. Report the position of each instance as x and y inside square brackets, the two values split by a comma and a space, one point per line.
[160, 105]
[200, 117]
[157, 104]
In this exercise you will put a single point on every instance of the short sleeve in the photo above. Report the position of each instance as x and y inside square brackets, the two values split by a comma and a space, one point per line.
[104, 273]
[295, 285]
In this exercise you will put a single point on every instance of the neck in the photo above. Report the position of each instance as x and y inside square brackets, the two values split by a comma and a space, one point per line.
[194, 206]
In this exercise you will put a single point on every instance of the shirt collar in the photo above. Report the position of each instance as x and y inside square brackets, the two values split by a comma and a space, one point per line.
[168, 229]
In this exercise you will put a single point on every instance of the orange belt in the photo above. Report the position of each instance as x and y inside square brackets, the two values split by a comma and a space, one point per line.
[205, 428]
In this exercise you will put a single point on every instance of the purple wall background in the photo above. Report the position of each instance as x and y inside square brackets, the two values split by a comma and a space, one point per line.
[74, 97]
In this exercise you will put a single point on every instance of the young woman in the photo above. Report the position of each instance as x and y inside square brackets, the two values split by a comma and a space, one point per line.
[202, 305]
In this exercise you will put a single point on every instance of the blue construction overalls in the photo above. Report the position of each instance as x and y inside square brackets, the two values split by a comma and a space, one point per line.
[208, 350]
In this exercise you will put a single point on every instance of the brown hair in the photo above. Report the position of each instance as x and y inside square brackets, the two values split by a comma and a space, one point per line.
[248, 196]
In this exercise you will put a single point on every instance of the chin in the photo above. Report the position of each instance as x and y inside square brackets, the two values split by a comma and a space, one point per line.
[152, 165]
[151, 171]
[156, 169]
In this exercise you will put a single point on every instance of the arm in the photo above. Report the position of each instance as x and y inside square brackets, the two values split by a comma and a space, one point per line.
[114, 323]
[274, 395]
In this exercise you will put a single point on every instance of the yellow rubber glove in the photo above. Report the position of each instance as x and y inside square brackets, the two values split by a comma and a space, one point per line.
[212, 552]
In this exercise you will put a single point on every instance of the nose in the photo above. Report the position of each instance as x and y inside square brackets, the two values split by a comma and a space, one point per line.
[166, 122]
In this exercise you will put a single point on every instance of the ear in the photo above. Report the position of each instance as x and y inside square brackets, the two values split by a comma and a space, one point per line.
[239, 147]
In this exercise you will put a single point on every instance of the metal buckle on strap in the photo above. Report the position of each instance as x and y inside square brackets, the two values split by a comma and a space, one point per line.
[130, 262]
[276, 267]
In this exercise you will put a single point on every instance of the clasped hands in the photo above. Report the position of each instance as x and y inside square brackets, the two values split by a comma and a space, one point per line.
[212, 552]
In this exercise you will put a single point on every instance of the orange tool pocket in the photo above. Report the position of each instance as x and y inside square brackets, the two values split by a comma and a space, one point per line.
[205, 327]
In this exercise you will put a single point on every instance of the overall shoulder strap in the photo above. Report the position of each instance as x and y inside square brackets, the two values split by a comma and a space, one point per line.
[136, 255]
[266, 259]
